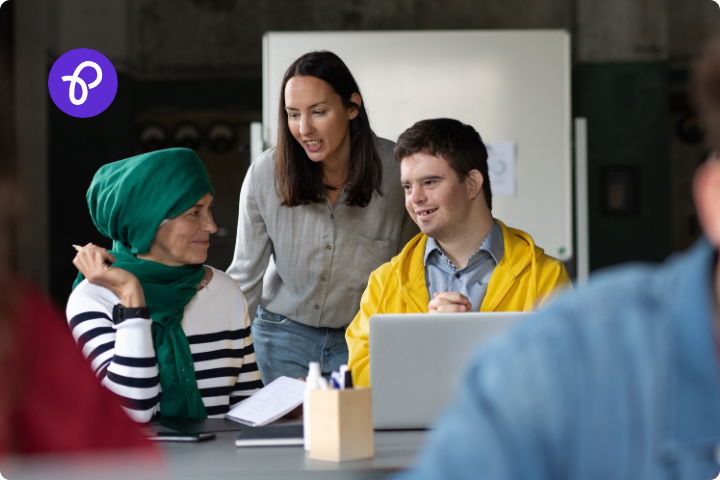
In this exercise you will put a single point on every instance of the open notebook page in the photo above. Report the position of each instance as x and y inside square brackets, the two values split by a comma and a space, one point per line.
[269, 403]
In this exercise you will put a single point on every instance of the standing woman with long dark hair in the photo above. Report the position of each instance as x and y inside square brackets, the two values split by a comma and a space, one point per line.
[328, 206]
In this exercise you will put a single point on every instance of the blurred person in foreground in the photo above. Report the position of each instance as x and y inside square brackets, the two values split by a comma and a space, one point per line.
[50, 401]
[618, 380]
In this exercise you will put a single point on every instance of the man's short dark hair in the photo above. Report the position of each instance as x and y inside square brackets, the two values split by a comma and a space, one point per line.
[455, 142]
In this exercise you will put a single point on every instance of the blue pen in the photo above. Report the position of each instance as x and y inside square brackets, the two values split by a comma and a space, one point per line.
[335, 384]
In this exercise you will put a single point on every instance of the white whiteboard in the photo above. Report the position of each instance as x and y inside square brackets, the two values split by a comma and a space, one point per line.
[509, 85]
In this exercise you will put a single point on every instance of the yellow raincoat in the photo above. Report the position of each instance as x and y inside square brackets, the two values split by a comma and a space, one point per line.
[522, 281]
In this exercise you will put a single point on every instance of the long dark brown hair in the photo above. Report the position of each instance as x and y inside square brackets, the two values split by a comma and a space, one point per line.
[299, 179]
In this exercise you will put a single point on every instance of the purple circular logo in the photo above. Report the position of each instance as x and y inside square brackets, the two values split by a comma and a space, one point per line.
[82, 83]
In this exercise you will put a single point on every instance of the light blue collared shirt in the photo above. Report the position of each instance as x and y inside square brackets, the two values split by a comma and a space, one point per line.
[472, 281]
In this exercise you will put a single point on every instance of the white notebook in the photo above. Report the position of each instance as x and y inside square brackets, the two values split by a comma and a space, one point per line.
[269, 403]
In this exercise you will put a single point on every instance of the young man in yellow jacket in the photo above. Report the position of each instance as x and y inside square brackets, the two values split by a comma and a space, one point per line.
[464, 258]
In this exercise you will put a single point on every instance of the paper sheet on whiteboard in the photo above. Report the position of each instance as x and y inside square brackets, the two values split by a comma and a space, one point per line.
[501, 167]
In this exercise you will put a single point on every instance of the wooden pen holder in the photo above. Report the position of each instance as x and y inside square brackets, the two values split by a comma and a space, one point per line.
[341, 425]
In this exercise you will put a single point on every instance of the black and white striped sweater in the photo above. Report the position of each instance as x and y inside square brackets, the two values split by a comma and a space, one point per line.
[217, 325]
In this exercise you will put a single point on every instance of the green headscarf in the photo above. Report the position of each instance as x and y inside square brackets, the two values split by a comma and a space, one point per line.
[128, 200]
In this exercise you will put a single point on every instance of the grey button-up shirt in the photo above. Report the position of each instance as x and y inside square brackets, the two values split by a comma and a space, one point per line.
[472, 280]
[323, 256]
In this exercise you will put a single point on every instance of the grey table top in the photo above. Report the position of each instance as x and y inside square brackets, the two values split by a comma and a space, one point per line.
[221, 459]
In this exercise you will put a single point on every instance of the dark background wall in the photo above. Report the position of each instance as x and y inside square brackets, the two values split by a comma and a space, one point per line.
[7, 100]
[628, 125]
[78, 147]
[201, 59]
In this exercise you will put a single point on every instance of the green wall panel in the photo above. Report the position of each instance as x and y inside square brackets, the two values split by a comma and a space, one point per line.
[626, 106]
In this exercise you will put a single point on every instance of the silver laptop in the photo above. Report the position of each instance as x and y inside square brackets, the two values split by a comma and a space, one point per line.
[417, 360]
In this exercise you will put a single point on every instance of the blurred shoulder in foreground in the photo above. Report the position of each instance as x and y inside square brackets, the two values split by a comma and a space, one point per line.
[49, 399]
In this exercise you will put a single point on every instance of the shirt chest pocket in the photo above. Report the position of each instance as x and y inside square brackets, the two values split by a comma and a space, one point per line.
[373, 253]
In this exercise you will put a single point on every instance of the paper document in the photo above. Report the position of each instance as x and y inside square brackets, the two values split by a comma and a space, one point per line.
[501, 168]
[270, 403]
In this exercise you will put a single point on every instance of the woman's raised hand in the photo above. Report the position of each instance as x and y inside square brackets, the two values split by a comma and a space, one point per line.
[95, 263]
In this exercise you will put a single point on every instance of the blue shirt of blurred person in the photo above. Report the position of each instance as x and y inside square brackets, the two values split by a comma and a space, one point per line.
[617, 380]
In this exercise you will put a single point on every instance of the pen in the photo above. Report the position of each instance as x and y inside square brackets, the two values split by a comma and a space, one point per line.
[78, 248]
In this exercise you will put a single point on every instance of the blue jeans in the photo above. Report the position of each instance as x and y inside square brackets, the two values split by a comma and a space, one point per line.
[285, 347]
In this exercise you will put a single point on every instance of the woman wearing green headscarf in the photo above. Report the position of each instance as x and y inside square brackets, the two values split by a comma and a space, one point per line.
[161, 330]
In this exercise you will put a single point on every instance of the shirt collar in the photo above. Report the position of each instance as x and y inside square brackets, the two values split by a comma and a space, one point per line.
[493, 244]
[430, 247]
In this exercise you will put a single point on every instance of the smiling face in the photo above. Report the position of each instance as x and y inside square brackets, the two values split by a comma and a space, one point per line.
[435, 197]
[318, 119]
[185, 239]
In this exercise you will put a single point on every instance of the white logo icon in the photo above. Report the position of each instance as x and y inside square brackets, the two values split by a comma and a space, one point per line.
[717, 1]
[74, 78]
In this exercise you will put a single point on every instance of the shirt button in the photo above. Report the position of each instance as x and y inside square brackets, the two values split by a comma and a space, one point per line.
[329, 247]
[331, 216]
[317, 307]
[345, 190]
[457, 275]
[322, 279]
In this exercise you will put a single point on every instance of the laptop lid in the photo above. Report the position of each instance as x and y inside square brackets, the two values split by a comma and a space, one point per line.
[416, 361]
